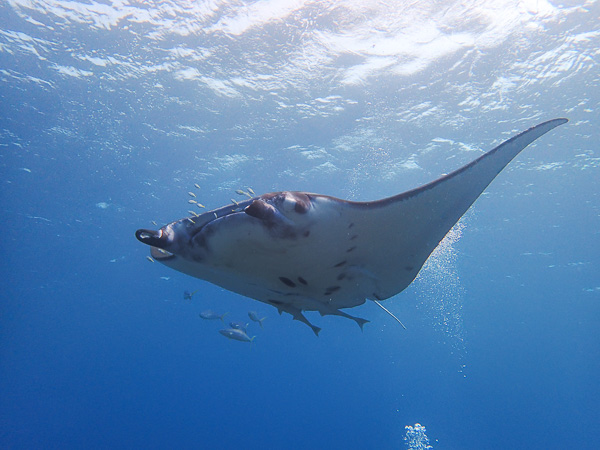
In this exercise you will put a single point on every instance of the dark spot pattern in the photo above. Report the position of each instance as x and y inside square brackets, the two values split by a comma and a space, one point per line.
[330, 290]
[303, 281]
[354, 236]
[287, 281]
[306, 233]
[340, 264]
[351, 225]
[351, 249]
[408, 268]
[275, 302]
[284, 294]
[341, 276]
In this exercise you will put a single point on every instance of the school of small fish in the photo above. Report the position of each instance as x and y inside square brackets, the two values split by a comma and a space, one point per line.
[237, 331]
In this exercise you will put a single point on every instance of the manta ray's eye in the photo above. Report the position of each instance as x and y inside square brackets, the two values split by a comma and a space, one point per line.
[295, 201]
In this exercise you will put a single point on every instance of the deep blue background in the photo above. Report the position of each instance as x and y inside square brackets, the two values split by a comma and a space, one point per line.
[98, 351]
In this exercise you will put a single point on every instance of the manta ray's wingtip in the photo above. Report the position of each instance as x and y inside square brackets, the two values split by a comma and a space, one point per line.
[559, 121]
[538, 130]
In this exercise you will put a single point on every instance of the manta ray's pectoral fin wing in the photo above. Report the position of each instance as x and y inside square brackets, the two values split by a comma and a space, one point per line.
[417, 220]
[444, 201]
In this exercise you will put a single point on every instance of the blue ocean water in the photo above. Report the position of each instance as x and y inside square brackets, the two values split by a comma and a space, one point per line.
[113, 110]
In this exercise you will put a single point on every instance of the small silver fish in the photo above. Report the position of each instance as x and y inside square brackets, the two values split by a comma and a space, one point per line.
[236, 335]
[251, 191]
[239, 326]
[191, 194]
[211, 315]
[241, 192]
[197, 185]
[187, 295]
[254, 317]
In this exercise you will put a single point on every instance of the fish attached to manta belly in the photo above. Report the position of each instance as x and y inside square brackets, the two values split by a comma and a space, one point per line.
[299, 251]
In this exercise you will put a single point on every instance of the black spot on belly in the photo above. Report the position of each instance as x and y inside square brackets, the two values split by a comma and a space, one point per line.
[408, 268]
[354, 236]
[351, 249]
[341, 276]
[306, 233]
[302, 280]
[331, 289]
[287, 281]
[340, 264]
[275, 302]
[351, 225]
[377, 297]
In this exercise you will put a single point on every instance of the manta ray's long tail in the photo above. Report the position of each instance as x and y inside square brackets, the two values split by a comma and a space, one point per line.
[389, 312]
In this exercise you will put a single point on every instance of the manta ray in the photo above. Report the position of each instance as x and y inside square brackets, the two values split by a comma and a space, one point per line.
[300, 251]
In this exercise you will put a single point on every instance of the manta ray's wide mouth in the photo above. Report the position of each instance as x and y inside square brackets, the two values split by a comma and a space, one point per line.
[160, 255]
